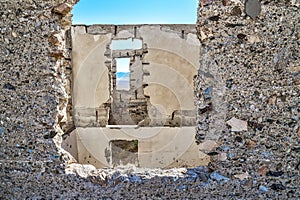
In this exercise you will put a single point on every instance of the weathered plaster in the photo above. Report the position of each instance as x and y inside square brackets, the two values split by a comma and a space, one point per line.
[162, 71]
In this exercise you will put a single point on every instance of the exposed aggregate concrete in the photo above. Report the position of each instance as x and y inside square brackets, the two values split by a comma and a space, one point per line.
[249, 70]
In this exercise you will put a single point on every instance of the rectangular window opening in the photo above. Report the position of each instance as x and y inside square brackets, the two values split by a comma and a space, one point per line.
[126, 44]
[124, 152]
[123, 74]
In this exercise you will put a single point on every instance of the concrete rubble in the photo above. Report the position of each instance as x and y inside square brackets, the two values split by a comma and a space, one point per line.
[249, 70]
[237, 124]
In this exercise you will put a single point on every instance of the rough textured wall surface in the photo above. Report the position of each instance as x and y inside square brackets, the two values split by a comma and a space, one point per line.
[250, 66]
[162, 69]
[250, 71]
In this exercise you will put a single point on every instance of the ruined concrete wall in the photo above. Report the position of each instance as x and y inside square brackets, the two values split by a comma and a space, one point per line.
[91, 88]
[158, 147]
[249, 88]
[31, 89]
[34, 69]
[161, 73]
[162, 62]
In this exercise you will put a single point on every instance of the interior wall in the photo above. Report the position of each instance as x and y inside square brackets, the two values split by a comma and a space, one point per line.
[161, 94]
[162, 80]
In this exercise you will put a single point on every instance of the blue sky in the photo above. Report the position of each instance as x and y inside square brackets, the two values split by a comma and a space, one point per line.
[135, 12]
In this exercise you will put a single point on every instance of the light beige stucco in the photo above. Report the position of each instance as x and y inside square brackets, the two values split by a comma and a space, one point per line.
[162, 72]
[187, 48]
[70, 144]
[90, 75]
[173, 63]
[158, 146]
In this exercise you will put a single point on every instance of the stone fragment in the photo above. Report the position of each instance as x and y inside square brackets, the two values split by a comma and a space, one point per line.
[252, 8]
[135, 179]
[263, 188]
[231, 25]
[298, 131]
[242, 176]
[53, 40]
[208, 146]
[238, 139]
[205, 2]
[218, 177]
[62, 9]
[277, 186]
[101, 179]
[51, 135]
[276, 174]
[229, 83]
[262, 171]
[14, 34]
[253, 39]
[236, 11]
[250, 144]
[267, 154]
[1, 130]
[241, 36]
[5, 51]
[298, 35]
[296, 149]
[281, 59]
[255, 125]
[57, 54]
[208, 93]
[296, 69]
[9, 86]
[66, 21]
[205, 33]
[213, 153]
[205, 109]
[222, 156]
[214, 18]
[237, 124]
[272, 100]
[225, 2]
[81, 170]
[202, 36]
[202, 176]
[43, 17]
[231, 155]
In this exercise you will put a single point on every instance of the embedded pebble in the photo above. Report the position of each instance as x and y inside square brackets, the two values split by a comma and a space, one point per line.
[263, 188]
[277, 186]
[237, 125]
[253, 8]
[1, 130]
[218, 177]
[242, 176]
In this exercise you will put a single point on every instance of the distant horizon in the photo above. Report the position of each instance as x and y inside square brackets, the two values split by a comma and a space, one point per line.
[138, 12]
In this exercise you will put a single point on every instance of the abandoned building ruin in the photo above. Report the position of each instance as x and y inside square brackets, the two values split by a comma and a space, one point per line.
[204, 111]
[149, 106]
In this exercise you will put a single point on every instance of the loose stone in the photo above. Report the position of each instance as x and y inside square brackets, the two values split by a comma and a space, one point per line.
[252, 8]
[237, 125]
